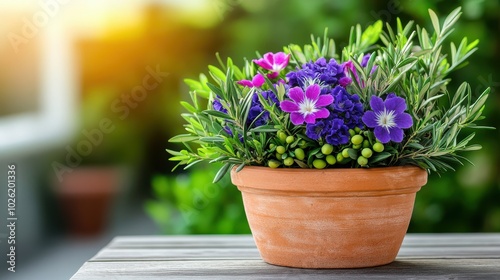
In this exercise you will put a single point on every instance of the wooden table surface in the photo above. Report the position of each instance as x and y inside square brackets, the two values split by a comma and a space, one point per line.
[422, 256]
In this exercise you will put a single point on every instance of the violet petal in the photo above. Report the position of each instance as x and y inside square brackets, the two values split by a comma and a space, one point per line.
[382, 134]
[289, 106]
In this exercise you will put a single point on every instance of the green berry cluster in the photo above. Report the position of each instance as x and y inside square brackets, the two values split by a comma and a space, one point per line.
[289, 150]
[286, 150]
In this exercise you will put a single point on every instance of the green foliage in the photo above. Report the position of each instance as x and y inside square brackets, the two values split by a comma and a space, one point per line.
[191, 203]
[411, 62]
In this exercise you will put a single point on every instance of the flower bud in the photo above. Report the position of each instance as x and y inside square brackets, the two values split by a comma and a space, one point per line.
[280, 149]
[274, 163]
[345, 153]
[362, 161]
[319, 163]
[340, 158]
[282, 136]
[299, 154]
[357, 139]
[378, 147]
[327, 149]
[366, 144]
[288, 161]
[331, 160]
[367, 152]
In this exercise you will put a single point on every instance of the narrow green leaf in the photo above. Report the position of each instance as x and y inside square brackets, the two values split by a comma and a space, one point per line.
[222, 171]
[435, 21]
[379, 157]
[217, 73]
[183, 138]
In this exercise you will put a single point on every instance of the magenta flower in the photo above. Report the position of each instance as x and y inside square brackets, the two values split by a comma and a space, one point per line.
[306, 106]
[257, 81]
[388, 118]
[345, 81]
[350, 70]
[273, 62]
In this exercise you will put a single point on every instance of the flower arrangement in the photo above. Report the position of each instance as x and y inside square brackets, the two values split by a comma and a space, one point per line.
[382, 101]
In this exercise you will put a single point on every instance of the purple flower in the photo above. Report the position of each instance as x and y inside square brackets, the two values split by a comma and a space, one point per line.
[337, 133]
[365, 59]
[306, 106]
[257, 81]
[328, 74]
[350, 69]
[256, 108]
[316, 130]
[388, 118]
[345, 113]
[364, 63]
[346, 107]
[218, 105]
[273, 62]
[345, 81]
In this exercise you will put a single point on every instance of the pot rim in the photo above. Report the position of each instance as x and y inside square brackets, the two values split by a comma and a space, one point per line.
[361, 181]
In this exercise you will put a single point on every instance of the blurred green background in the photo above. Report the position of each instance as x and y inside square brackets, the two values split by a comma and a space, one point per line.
[115, 46]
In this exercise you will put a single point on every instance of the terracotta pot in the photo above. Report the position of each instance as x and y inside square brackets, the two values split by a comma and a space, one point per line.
[330, 218]
[85, 196]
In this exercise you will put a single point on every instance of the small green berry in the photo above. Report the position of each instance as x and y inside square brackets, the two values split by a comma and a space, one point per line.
[271, 146]
[278, 155]
[356, 147]
[299, 154]
[319, 163]
[327, 149]
[378, 147]
[290, 139]
[288, 161]
[367, 152]
[274, 163]
[366, 144]
[357, 139]
[357, 129]
[280, 149]
[303, 144]
[282, 136]
[362, 161]
[352, 132]
[340, 158]
[331, 159]
[345, 153]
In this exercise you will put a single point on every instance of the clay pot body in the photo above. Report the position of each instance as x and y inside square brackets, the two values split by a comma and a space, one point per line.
[330, 218]
[85, 196]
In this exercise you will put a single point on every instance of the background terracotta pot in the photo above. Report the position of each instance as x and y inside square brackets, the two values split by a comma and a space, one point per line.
[85, 196]
[330, 218]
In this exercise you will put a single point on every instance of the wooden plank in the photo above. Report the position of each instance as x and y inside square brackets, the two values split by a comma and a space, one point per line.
[256, 269]
[111, 254]
[451, 239]
[183, 241]
[246, 241]
[422, 256]
[227, 247]
[158, 254]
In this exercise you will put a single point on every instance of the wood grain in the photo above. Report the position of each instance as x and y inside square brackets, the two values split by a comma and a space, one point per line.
[422, 256]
